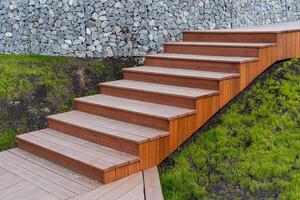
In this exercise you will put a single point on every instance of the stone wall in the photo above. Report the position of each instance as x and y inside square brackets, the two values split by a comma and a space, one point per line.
[124, 28]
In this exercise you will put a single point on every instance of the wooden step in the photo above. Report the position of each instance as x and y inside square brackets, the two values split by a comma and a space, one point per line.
[180, 77]
[198, 62]
[93, 160]
[132, 111]
[157, 93]
[112, 133]
[230, 36]
[216, 48]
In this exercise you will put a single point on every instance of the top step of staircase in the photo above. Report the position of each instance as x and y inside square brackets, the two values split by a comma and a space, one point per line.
[222, 44]
[268, 28]
[258, 34]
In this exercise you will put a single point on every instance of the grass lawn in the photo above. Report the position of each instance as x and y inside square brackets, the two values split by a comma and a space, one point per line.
[34, 86]
[252, 151]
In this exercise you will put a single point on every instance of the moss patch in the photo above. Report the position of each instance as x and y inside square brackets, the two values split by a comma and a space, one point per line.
[251, 152]
[34, 86]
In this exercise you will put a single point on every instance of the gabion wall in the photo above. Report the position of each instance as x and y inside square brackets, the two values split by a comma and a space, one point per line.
[111, 28]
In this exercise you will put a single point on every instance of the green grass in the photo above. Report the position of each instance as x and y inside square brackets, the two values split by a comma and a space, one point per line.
[34, 86]
[251, 152]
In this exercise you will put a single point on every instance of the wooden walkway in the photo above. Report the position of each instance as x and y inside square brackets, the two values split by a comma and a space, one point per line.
[135, 123]
[24, 176]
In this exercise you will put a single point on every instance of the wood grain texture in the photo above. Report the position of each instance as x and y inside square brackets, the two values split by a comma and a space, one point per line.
[230, 37]
[211, 50]
[152, 185]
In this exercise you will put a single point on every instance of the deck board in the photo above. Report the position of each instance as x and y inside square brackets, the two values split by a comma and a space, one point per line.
[7, 180]
[23, 191]
[34, 179]
[51, 176]
[25, 176]
[58, 169]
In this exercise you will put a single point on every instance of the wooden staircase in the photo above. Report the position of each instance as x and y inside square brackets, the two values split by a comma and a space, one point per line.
[135, 123]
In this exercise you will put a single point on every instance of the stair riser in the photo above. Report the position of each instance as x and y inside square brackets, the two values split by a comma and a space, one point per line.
[192, 64]
[149, 97]
[92, 136]
[228, 90]
[230, 37]
[135, 118]
[172, 80]
[212, 50]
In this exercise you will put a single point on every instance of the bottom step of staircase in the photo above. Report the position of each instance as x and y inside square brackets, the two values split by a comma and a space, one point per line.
[92, 160]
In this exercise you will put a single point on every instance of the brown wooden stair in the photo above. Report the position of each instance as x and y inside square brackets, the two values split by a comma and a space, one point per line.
[92, 160]
[138, 121]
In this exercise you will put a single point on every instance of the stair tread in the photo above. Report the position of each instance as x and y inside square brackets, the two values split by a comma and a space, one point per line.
[102, 151]
[96, 157]
[183, 72]
[223, 44]
[110, 127]
[226, 59]
[140, 107]
[187, 92]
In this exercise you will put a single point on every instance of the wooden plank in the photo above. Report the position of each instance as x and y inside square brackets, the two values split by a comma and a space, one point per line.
[187, 73]
[149, 96]
[124, 130]
[49, 175]
[96, 124]
[192, 64]
[222, 59]
[96, 137]
[109, 151]
[79, 148]
[227, 36]
[25, 191]
[136, 192]
[58, 169]
[36, 180]
[169, 79]
[66, 152]
[8, 179]
[266, 28]
[123, 189]
[106, 189]
[223, 44]
[175, 91]
[2, 171]
[138, 107]
[152, 184]
[212, 50]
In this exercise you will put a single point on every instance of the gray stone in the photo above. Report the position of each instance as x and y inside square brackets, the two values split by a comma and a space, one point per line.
[112, 28]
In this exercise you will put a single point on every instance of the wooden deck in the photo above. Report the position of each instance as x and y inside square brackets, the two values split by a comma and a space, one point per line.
[135, 123]
[24, 176]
